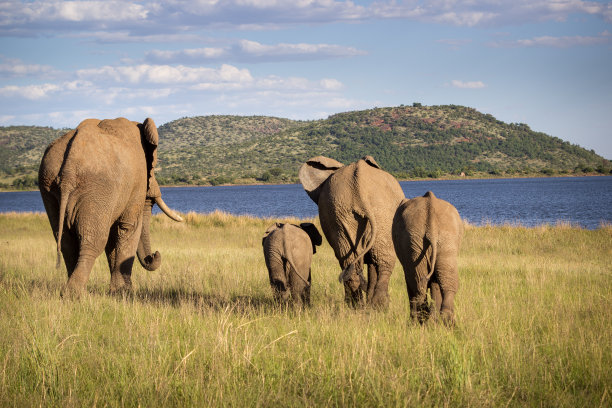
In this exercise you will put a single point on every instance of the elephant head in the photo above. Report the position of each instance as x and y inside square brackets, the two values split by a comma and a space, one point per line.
[149, 138]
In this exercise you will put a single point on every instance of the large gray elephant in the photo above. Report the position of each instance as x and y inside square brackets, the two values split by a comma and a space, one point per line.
[98, 186]
[288, 251]
[356, 207]
[427, 233]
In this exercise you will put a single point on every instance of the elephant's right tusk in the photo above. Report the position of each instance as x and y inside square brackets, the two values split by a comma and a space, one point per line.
[170, 213]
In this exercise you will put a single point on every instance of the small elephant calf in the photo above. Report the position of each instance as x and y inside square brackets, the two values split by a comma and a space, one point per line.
[427, 233]
[288, 251]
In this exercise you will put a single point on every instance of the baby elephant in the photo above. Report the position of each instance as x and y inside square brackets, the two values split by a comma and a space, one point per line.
[427, 234]
[288, 251]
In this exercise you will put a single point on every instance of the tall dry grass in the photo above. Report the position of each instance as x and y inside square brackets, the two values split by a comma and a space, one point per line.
[534, 326]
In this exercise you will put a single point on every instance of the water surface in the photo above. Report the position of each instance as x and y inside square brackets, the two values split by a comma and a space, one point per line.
[585, 201]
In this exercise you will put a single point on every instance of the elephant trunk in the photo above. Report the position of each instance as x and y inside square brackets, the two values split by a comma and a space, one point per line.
[150, 261]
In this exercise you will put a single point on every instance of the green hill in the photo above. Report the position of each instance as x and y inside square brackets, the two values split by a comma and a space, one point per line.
[408, 141]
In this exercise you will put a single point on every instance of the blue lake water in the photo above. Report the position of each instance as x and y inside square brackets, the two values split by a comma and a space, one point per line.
[586, 201]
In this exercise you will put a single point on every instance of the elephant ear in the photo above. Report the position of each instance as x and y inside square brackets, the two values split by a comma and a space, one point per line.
[150, 140]
[313, 233]
[314, 172]
[270, 229]
[370, 160]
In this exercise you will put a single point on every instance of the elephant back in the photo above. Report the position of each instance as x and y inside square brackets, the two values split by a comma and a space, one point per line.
[356, 209]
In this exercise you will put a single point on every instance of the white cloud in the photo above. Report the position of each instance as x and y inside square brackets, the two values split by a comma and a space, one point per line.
[110, 20]
[24, 69]
[32, 92]
[72, 11]
[188, 55]
[164, 74]
[467, 85]
[331, 84]
[558, 42]
[252, 51]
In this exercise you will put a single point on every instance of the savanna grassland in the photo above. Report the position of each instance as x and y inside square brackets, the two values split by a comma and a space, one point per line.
[534, 327]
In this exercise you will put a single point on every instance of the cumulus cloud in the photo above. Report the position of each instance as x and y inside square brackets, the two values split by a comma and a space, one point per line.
[253, 51]
[467, 85]
[31, 92]
[164, 74]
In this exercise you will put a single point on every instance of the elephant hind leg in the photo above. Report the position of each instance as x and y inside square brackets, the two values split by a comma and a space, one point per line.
[448, 277]
[447, 310]
[354, 285]
[77, 279]
[120, 253]
[436, 295]
[416, 285]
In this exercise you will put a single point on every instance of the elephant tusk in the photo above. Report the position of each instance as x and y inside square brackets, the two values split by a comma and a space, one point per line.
[170, 213]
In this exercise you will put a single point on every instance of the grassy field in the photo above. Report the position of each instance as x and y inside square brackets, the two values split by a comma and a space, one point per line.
[534, 326]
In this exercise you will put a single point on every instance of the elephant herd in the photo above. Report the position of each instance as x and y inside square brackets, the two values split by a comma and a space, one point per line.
[98, 187]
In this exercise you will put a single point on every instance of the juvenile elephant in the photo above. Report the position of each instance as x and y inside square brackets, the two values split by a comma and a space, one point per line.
[288, 251]
[427, 234]
[356, 207]
[98, 188]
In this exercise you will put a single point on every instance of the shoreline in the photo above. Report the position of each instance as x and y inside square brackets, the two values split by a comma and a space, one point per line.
[453, 178]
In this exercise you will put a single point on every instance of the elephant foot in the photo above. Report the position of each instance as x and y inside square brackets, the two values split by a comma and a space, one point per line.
[447, 318]
[380, 301]
[123, 292]
[72, 291]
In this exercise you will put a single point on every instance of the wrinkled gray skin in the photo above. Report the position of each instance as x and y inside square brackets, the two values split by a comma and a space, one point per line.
[288, 251]
[98, 188]
[427, 233]
[356, 207]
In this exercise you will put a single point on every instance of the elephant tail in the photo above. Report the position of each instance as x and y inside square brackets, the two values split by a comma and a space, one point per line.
[62, 214]
[431, 234]
[348, 271]
[292, 266]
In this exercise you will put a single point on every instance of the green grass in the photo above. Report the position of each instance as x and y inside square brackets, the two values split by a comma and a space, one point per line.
[534, 326]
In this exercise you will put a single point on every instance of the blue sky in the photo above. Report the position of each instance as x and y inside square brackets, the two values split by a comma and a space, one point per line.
[544, 63]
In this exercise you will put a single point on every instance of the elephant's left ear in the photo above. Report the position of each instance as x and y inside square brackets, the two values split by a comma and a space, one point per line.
[149, 131]
[370, 160]
[313, 233]
[150, 139]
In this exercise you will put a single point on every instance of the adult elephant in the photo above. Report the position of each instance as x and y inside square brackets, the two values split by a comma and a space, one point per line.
[98, 186]
[356, 207]
[427, 233]
[288, 251]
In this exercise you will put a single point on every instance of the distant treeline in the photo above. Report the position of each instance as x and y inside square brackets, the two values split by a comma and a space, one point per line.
[409, 141]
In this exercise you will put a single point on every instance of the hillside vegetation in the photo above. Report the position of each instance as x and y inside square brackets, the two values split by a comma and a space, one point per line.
[409, 141]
